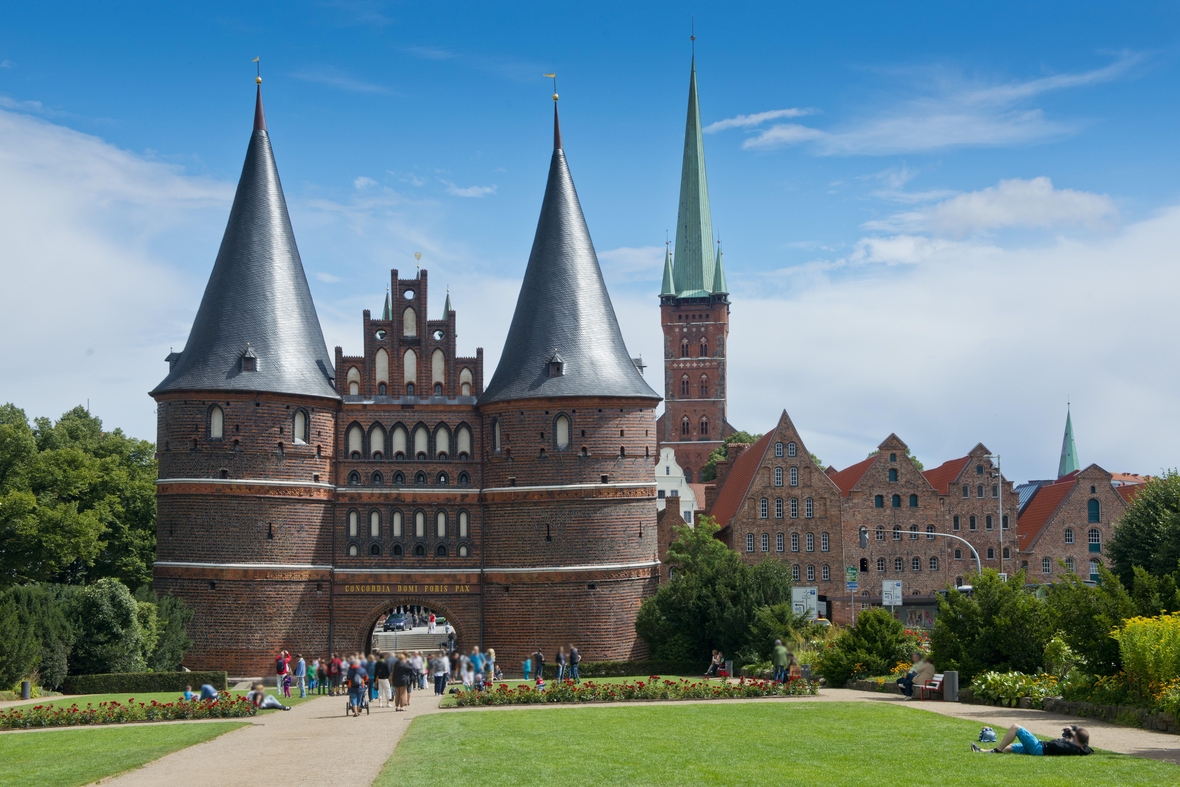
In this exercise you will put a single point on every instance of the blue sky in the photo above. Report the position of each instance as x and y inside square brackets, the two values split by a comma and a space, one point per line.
[939, 220]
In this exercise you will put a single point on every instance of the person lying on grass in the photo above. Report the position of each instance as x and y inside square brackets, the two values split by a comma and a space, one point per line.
[264, 701]
[1074, 741]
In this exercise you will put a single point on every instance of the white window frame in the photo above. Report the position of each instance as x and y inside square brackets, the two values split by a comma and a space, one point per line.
[764, 508]
[794, 476]
[749, 542]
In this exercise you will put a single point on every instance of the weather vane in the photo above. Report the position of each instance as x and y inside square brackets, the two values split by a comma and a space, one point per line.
[693, 35]
[553, 76]
[258, 78]
[418, 257]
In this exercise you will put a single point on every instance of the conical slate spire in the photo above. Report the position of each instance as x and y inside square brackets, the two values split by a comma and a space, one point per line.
[1069, 452]
[387, 311]
[447, 306]
[668, 288]
[257, 302]
[695, 266]
[564, 312]
[719, 285]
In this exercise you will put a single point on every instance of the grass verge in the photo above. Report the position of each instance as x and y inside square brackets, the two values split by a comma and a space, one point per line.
[754, 743]
[68, 758]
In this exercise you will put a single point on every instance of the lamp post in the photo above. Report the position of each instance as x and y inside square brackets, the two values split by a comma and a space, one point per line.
[996, 474]
[864, 544]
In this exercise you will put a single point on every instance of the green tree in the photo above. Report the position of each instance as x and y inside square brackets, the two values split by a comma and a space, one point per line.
[709, 469]
[711, 599]
[76, 503]
[42, 612]
[106, 621]
[1148, 533]
[1085, 615]
[19, 648]
[171, 627]
[999, 625]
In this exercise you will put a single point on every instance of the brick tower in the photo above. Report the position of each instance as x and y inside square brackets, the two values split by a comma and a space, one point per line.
[569, 542]
[246, 423]
[694, 315]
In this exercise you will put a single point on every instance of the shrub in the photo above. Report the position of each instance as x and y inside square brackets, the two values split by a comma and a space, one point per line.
[620, 669]
[1150, 651]
[1000, 626]
[49, 715]
[106, 621]
[43, 614]
[143, 682]
[1007, 688]
[872, 647]
[653, 689]
[1085, 615]
[19, 648]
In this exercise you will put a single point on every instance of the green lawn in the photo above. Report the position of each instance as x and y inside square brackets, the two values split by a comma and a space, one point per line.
[67, 758]
[753, 743]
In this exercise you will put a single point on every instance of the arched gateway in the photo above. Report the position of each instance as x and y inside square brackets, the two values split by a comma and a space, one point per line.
[302, 494]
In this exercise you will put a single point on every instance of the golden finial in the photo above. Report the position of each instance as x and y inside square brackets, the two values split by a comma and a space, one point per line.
[553, 76]
[258, 78]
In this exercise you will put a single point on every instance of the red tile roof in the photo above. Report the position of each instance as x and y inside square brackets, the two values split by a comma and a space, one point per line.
[850, 476]
[698, 491]
[737, 483]
[1041, 508]
[1128, 491]
[941, 477]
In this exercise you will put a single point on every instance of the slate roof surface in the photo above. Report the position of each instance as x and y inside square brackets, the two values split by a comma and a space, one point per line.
[738, 481]
[257, 296]
[564, 306]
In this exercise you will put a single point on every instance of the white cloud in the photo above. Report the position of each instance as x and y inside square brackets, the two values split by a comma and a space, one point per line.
[645, 263]
[1016, 203]
[6, 64]
[328, 278]
[468, 191]
[93, 239]
[948, 111]
[335, 78]
[363, 183]
[747, 121]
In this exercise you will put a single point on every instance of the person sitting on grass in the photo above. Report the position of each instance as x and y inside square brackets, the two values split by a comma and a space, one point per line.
[188, 694]
[208, 692]
[540, 682]
[1074, 741]
[263, 701]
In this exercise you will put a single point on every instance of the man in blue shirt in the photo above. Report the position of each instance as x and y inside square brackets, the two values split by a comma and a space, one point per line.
[301, 675]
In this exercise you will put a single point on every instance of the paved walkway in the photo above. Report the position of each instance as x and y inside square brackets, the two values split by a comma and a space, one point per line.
[278, 747]
[289, 748]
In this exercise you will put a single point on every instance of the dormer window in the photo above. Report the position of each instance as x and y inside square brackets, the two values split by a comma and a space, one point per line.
[249, 360]
[556, 364]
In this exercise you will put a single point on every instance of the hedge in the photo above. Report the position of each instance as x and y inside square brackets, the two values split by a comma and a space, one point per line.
[655, 688]
[144, 682]
[624, 669]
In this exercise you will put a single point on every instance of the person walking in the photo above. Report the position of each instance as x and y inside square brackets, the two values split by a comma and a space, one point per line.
[358, 678]
[301, 675]
[381, 673]
[335, 666]
[575, 659]
[779, 659]
[528, 664]
[321, 676]
[432, 621]
[442, 666]
[489, 665]
[282, 667]
[539, 664]
[401, 682]
[560, 661]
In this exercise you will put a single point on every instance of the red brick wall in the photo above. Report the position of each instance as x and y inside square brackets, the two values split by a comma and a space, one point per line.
[1073, 513]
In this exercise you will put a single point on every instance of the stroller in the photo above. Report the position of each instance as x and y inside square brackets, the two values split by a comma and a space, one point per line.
[364, 700]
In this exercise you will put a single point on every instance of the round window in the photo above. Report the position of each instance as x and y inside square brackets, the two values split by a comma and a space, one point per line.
[409, 295]
[380, 335]
[438, 335]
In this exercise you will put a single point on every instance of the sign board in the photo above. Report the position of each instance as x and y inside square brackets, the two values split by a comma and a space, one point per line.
[891, 593]
[805, 601]
[850, 574]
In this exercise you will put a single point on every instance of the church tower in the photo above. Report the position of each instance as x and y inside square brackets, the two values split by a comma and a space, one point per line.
[694, 315]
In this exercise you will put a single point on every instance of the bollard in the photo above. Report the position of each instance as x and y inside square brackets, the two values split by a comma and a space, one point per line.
[950, 686]
[26, 690]
[805, 669]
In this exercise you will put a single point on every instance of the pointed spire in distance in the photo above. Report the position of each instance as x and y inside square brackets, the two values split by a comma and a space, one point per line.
[556, 126]
[1069, 451]
[668, 287]
[694, 263]
[257, 297]
[564, 309]
[447, 306]
[719, 286]
[387, 312]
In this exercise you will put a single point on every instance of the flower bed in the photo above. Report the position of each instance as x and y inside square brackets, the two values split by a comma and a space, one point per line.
[655, 688]
[118, 713]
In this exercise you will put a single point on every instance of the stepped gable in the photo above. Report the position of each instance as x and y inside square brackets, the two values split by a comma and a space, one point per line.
[564, 317]
[257, 302]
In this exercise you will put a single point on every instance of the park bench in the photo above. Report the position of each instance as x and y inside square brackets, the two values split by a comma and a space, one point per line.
[931, 687]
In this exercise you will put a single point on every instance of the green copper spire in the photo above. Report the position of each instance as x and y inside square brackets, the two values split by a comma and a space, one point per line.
[668, 288]
[695, 266]
[387, 312]
[1069, 452]
[447, 306]
[719, 273]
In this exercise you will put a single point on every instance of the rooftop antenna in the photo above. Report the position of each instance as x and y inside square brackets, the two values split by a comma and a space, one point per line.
[258, 78]
[693, 36]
